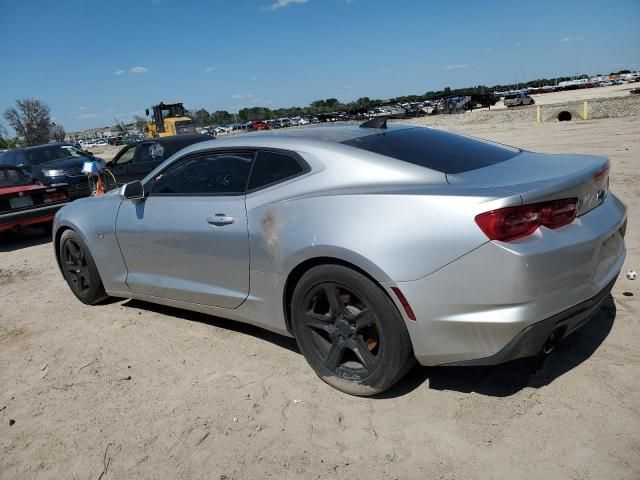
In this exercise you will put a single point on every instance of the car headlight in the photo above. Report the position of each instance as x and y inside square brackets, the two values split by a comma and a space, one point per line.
[53, 173]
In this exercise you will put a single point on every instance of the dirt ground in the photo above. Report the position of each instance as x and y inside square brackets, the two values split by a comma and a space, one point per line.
[133, 390]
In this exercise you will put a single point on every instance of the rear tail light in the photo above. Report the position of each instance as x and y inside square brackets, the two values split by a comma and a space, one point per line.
[511, 223]
[53, 197]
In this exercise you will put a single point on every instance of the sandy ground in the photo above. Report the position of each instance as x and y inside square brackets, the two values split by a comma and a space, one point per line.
[132, 390]
[584, 94]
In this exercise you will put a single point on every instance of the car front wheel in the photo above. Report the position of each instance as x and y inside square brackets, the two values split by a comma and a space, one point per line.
[350, 331]
[79, 269]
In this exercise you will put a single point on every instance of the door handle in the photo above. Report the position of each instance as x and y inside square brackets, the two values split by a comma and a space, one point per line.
[220, 219]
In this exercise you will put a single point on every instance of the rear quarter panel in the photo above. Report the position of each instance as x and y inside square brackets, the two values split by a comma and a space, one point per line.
[403, 234]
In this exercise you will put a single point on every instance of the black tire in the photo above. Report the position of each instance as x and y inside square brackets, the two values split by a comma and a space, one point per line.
[349, 331]
[79, 269]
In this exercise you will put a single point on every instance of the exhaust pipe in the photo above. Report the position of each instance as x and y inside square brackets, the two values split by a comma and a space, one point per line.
[552, 341]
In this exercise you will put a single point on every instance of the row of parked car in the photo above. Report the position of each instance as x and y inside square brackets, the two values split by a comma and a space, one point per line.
[37, 181]
[257, 125]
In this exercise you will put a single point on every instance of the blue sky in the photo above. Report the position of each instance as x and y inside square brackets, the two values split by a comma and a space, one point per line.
[92, 60]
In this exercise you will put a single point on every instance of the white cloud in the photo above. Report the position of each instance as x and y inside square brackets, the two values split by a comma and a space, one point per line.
[138, 70]
[238, 96]
[209, 69]
[516, 45]
[283, 3]
[488, 49]
[82, 108]
[85, 116]
[348, 86]
[456, 67]
[118, 72]
[572, 39]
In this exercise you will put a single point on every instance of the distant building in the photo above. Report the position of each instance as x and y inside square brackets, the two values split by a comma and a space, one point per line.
[101, 133]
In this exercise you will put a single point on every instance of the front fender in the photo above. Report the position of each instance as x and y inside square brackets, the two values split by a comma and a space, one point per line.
[94, 219]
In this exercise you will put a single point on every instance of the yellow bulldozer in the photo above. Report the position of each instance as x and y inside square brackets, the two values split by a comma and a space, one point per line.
[168, 119]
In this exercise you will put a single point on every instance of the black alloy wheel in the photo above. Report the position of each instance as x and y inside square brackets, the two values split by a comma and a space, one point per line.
[79, 269]
[75, 265]
[349, 330]
[343, 329]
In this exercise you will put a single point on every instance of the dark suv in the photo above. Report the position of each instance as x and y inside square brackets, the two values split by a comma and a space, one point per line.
[54, 164]
[137, 160]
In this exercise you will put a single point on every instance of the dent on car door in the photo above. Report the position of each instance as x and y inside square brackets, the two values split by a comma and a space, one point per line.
[188, 239]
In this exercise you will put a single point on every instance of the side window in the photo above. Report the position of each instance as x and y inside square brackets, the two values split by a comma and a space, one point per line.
[273, 167]
[150, 152]
[209, 174]
[126, 156]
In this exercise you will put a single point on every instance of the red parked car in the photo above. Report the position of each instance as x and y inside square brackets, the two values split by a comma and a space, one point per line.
[24, 203]
[259, 125]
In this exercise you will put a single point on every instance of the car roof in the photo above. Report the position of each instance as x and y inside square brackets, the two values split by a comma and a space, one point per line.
[179, 138]
[46, 145]
[333, 133]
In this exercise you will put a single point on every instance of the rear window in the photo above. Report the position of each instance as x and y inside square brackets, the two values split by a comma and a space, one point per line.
[435, 149]
[12, 178]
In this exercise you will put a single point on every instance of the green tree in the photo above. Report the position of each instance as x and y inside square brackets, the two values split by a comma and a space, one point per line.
[57, 133]
[31, 119]
[202, 118]
[221, 117]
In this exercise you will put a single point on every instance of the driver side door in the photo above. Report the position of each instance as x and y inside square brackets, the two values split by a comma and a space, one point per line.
[188, 240]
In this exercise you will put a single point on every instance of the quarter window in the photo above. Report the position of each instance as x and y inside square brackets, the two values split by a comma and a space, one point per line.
[273, 167]
[208, 174]
[150, 152]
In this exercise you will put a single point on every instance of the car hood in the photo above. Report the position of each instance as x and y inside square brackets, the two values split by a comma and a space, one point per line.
[64, 163]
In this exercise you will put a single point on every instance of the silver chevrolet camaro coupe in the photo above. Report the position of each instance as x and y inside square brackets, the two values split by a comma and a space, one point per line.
[372, 245]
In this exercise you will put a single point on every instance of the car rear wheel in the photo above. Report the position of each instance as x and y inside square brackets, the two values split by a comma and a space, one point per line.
[79, 269]
[349, 331]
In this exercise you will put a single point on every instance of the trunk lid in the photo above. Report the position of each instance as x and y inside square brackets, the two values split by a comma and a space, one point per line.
[538, 177]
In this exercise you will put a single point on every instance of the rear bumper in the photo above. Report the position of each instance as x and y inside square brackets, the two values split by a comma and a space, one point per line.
[29, 217]
[530, 341]
[502, 300]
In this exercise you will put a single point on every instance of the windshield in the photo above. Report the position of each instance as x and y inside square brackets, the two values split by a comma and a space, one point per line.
[10, 177]
[75, 152]
[169, 111]
[48, 154]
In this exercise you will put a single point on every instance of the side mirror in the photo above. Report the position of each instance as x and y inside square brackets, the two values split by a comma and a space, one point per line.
[133, 191]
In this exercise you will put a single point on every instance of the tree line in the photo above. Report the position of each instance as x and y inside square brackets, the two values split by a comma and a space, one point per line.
[202, 117]
[31, 118]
